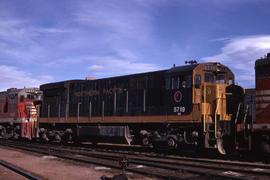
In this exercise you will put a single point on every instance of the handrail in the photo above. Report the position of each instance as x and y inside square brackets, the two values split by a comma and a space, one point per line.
[245, 118]
[204, 103]
[222, 96]
[216, 116]
[237, 113]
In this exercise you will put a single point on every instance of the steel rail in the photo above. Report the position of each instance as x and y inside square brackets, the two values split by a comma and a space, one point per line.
[19, 170]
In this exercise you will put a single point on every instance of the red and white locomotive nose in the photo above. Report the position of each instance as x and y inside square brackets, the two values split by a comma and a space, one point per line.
[261, 127]
[19, 117]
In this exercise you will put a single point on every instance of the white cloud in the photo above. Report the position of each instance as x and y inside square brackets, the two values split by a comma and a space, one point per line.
[95, 67]
[24, 42]
[107, 67]
[51, 30]
[11, 77]
[11, 30]
[18, 29]
[14, 31]
[240, 54]
[124, 19]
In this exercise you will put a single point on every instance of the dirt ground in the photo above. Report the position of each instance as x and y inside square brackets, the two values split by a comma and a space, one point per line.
[50, 167]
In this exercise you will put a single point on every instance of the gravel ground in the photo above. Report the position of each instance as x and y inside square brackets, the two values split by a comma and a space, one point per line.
[50, 167]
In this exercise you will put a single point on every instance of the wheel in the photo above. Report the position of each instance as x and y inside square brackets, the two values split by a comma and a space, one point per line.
[57, 138]
[145, 141]
[171, 142]
[44, 137]
[3, 133]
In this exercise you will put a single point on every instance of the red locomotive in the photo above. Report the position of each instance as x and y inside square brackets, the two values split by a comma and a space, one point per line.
[261, 126]
[252, 119]
[18, 113]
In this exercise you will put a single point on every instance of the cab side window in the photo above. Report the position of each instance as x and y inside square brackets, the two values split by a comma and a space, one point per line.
[168, 83]
[188, 81]
[197, 80]
[175, 82]
[178, 82]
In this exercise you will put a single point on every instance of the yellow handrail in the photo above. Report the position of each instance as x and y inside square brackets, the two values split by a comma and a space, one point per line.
[204, 104]
[218, 99]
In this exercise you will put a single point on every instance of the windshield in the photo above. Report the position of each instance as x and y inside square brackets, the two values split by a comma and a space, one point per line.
[211, 78]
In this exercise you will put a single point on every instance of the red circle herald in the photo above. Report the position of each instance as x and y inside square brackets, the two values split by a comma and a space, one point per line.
[177, 96]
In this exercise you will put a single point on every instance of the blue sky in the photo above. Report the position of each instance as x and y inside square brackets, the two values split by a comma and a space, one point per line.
[44, 41]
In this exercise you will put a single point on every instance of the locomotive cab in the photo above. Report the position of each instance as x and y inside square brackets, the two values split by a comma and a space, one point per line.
[196, 95]
[178, 96]
[210, 83]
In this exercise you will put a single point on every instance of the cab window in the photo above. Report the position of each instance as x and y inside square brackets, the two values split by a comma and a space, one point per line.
[208, 77]
[187, 81]
[178, 82]
[220, 78]
[175, 82]
[29, 96]
[197, 80]
[168, 83]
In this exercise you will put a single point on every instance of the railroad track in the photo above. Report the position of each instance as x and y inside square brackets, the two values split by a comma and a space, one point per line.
[167, 167]
[20, 171]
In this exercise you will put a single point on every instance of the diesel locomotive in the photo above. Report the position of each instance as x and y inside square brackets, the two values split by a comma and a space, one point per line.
[252, 118]
[18, 112]
[261, 125]
[181, 107]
